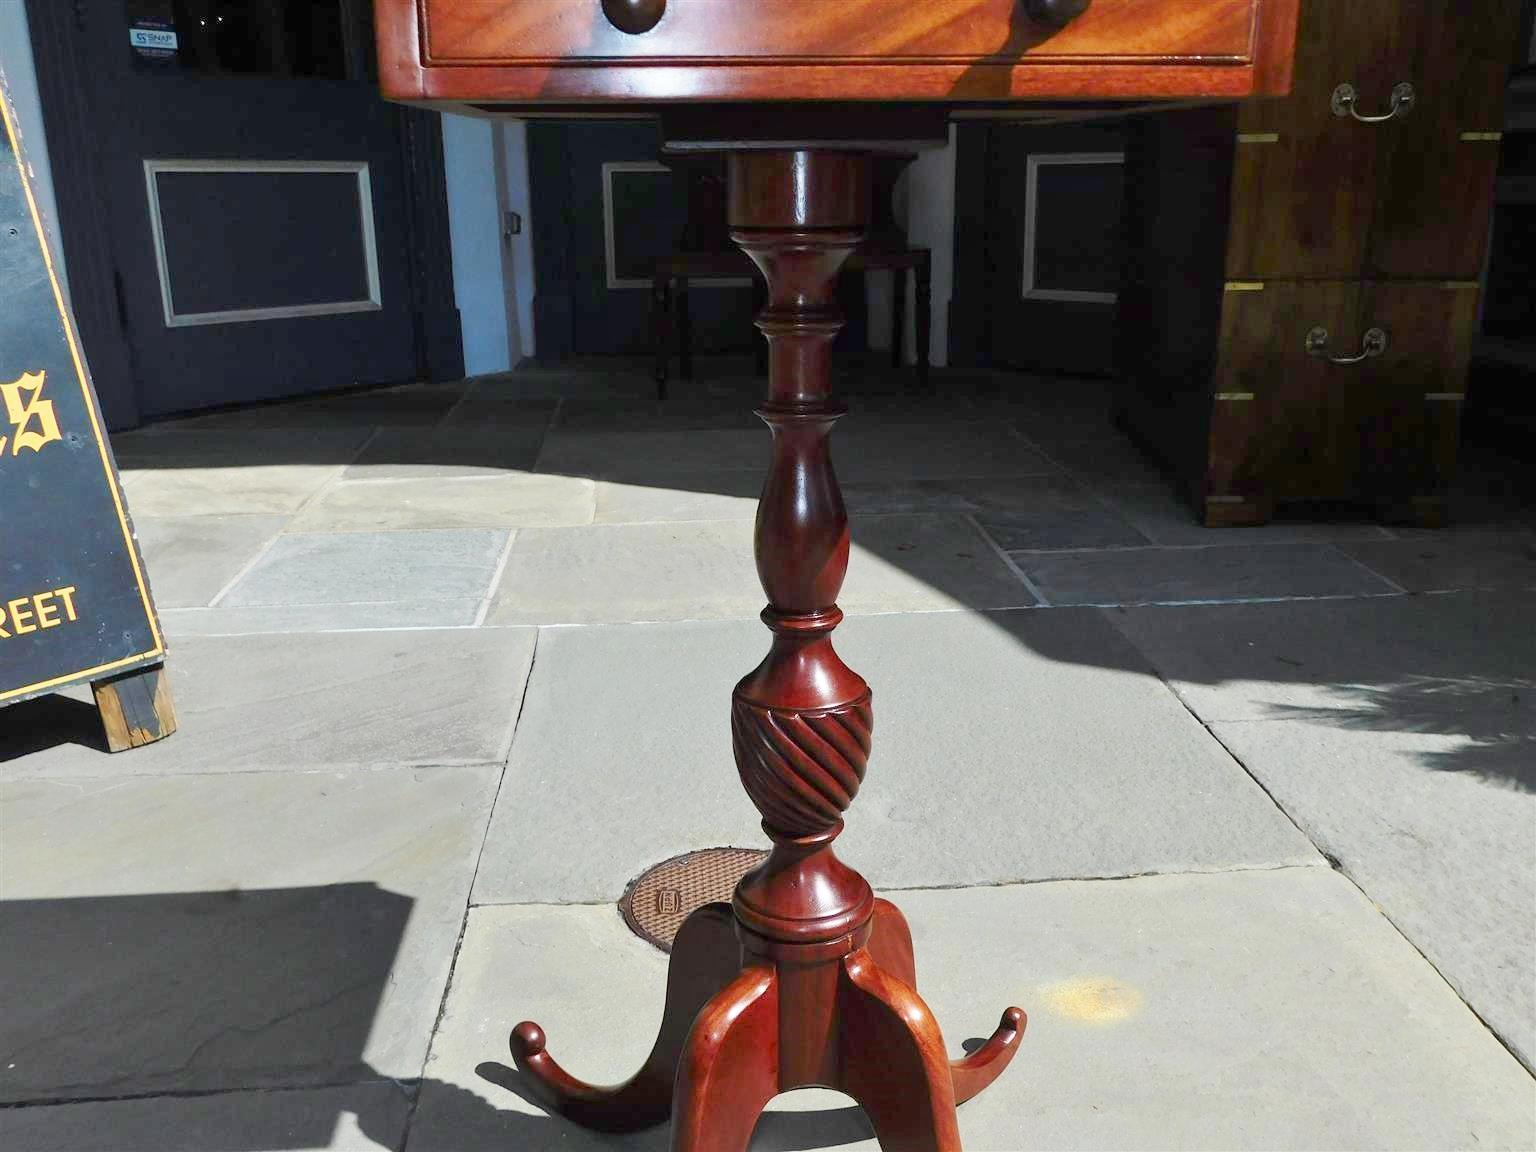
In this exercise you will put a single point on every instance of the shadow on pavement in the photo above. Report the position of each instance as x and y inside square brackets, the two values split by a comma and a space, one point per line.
[175, 994]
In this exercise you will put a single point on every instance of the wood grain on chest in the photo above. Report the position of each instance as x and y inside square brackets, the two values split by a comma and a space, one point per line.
[953, 51]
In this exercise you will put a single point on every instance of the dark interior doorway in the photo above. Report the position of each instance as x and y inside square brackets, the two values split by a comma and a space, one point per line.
[1038, 246]
[242, 217]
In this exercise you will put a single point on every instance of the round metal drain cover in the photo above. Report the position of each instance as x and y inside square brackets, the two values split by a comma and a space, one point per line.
[660, 898]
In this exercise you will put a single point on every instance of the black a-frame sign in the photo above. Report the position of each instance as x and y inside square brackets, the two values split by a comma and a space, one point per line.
[75, 604]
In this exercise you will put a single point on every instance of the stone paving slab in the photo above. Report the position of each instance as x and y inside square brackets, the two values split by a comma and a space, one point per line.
[1439, 830]
[407, 404]
[1102, 454]
[161, 489]
[1495, 560]
[413, 453]
[1054, 513]
[192, 558]
[926, 562]
[1023, 512]
[372, 567]
[635, 456]
[492, 402]
[685, 411]
[860, 452]
[179, 442]
[280, 702]
[1411, 662]
[622, 573]
[613, 573]
[358, 1118]
[730, 495]
[1259, 1010]
[457, 613]
[1158, 511]
[1187, 575]
[229, 931]
[864, 452]
[513, 500]
[1008, 746]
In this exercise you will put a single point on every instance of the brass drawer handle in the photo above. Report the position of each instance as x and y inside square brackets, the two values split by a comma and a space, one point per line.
[1346, 99]
[1374, 344]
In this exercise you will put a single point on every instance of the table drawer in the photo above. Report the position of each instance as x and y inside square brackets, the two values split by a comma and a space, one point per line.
[576, 32]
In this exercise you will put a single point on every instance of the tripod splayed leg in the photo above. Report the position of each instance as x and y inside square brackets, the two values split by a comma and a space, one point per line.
[806, 979]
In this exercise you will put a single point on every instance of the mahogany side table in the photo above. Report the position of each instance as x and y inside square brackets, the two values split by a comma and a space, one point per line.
[806, 978]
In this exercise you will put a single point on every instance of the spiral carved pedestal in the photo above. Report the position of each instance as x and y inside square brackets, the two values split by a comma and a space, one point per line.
[806, 978]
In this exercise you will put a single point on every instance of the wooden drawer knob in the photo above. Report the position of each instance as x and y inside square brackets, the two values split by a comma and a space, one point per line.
[1057, 13]
[634, 16]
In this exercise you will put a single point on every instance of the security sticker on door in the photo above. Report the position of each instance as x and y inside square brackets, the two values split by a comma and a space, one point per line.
[155, 39]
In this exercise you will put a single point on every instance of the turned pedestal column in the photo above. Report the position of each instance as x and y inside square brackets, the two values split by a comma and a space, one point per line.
[805, 978]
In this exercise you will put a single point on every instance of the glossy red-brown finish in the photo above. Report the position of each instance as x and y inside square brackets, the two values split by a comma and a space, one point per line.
[705, 958]
[826, 991]
[530, 52]
[890, 943]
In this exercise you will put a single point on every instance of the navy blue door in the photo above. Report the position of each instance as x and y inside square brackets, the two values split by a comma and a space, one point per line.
[258, 199]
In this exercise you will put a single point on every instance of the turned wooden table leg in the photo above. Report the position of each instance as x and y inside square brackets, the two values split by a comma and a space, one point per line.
[824, 990]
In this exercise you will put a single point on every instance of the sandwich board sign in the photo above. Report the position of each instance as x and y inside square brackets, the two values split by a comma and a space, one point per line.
[75, 604]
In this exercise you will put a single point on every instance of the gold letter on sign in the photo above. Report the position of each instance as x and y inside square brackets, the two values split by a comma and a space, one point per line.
[32, 417]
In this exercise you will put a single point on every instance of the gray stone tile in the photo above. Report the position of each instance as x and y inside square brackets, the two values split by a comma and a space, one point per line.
[682, 497]
[364, 567]
[633, 457]
[231, 931]
[533, 954]
[1165, 517]
[1105, 457]
[568, 379]
[1450, 664]
[1028, 506]
[690, 571]
[282, 702]
[611, 573]
[185, 443]
[1010, 746]
[206, 489]
[1199, 575]
[1439, 830]
[1165, 1012]
[412, 453]
[191, 558]
[1051, 514]
[514, 500]
[407, 404]
[1448, 563]
[926, 563]
[490, 402]
[320, 617]
[880, 452]
[985, 497]
[678, 411]
[359, 1118]
[888, 451]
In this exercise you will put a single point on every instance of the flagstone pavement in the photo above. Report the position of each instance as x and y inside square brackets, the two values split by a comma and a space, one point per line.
[1244, 819]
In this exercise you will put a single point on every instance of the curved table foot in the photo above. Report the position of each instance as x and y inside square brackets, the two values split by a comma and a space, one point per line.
[730, 1069]
[986, 1064]
[705, 958]
[894, 1062]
